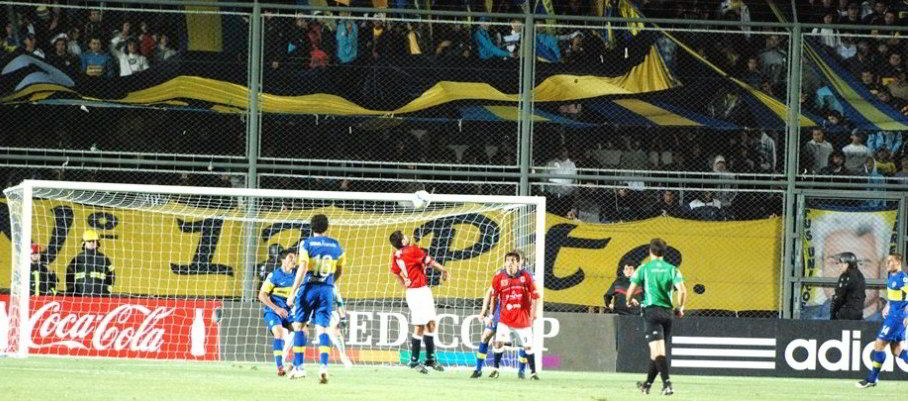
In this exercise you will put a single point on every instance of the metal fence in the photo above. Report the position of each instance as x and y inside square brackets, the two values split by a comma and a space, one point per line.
[616, 120]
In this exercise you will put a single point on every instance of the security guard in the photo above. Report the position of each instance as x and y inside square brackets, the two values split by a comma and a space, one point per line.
[43, 280]
[90, 272]
[848, 301]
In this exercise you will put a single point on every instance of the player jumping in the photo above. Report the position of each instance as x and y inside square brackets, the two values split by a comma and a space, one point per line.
[274, 293]
[893, 330]
[515, 291]
[659, 279]
[321, 263]
[409, 264]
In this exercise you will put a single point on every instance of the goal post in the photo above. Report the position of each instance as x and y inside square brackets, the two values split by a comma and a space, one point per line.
[175, 278]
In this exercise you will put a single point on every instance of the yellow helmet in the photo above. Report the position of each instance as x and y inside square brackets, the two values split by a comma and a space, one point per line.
[90, 235]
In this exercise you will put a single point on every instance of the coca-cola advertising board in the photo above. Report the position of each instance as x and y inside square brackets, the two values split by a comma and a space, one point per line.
[122, 327]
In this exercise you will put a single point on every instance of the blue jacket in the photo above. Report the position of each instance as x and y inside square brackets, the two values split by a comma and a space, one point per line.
[487, 48]
[547, 47]
[97, 64]
[346, 42]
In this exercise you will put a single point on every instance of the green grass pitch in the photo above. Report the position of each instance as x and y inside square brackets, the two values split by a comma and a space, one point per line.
[39, 378]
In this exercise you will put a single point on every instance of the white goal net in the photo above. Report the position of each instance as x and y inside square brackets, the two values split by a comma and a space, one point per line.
[161, 272]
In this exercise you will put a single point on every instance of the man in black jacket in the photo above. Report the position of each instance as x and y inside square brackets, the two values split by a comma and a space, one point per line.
[848, 301]
[616, 297]
[90, 273]
[43, 280]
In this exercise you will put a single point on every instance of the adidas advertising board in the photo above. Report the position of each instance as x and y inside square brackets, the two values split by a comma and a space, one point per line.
[760, 347]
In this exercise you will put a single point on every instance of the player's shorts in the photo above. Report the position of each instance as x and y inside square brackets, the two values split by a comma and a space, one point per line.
[314, 303]
[421, 304]
[524, 335]
[657, 323]
[273, 319]
[893, 329]
[493, 323]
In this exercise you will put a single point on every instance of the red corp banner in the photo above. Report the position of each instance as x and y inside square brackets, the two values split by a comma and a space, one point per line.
[122, 327]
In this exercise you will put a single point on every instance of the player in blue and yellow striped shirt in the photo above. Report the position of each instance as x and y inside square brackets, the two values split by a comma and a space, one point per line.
[322, 260]
[893, 330]
[274, 293]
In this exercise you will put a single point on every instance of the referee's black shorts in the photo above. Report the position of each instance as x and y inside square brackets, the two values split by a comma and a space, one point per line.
[657, 323]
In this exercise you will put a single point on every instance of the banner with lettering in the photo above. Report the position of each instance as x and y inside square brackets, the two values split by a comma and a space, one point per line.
[870, 235]
[174, 249]
[123, 327]
[732, 265]
[168, 252]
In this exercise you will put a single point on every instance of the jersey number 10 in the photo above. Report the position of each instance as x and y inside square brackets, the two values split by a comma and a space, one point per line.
[323, 266]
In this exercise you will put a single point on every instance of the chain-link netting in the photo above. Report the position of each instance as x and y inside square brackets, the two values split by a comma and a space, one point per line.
[650, 99]
[395, 102]
[711, 231]
[406, 184]
[389, 90]
[170, 80]
[854, 85]
[829, 227]
[13, 175]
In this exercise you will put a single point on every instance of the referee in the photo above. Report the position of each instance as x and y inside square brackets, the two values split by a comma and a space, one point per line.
[659, 279]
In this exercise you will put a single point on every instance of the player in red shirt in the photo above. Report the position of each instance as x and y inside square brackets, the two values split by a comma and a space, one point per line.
[409, 264]
[515, 290]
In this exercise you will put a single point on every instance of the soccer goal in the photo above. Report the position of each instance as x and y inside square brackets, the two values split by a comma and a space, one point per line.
[167, 272]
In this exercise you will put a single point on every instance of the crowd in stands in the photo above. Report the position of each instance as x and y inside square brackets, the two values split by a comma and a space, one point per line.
[106, 44]
[80, 41]
[878, 63]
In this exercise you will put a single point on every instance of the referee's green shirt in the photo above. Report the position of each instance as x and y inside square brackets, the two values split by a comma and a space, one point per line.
[658, 278]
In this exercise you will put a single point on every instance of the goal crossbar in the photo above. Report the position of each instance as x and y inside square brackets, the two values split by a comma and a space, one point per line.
[538, 201]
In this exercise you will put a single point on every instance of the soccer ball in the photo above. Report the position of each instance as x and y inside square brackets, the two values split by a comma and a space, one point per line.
[421, 200]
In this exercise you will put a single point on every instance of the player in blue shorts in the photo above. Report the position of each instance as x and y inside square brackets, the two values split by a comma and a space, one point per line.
[322, 261]
[488, 333]
[893, 330]
[274, 293]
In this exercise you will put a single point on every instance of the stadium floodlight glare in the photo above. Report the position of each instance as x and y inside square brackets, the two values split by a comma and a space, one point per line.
[187, 263]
